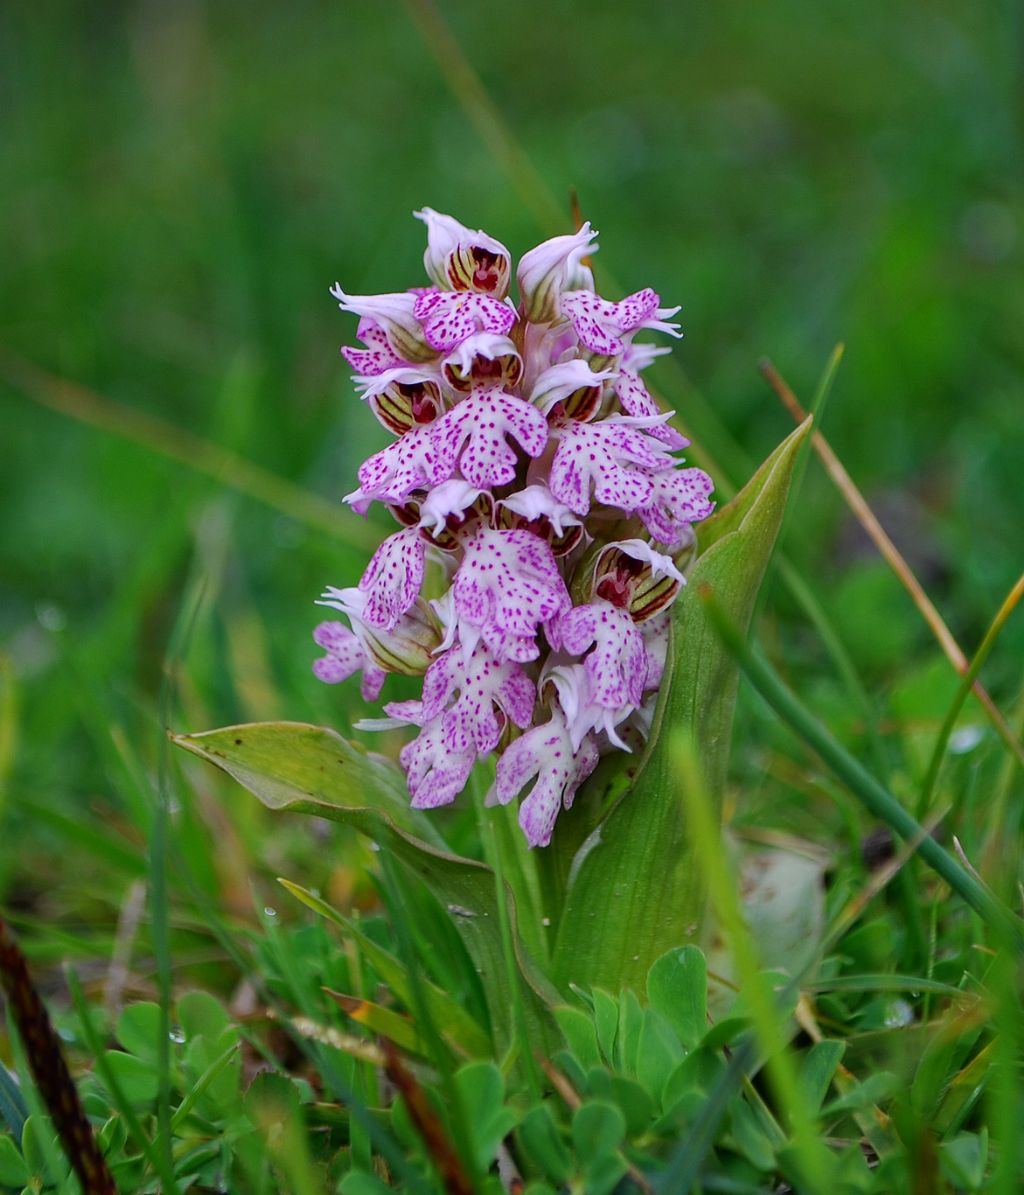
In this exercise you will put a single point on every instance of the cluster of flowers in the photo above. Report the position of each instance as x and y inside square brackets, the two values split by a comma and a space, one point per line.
[534, 469]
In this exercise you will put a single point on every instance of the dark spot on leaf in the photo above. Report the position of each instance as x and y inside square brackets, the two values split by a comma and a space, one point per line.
[238, 742]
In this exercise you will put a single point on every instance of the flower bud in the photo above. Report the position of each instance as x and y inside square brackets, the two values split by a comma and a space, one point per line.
[571, 385]
[407, 649]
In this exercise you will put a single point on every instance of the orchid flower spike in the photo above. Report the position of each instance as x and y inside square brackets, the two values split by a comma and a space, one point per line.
[537, 484]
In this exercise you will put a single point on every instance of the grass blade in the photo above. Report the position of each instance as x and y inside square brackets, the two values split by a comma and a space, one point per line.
[872, 795]
[893, 557]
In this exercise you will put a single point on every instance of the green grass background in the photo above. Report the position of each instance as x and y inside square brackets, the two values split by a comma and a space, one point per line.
[180, 184]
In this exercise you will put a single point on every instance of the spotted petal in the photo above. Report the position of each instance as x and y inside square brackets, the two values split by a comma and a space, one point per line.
[636, 400]
[450, 317]
[656, 633]
[486, 691]
[377, 357]
[545, 753]
[475, 433]
[393, 578]
[607, 457]
[507, 585]
[435, 774]
[678, 498]
[410, 463]
[345, 655]
[603, 326]
[617, 665]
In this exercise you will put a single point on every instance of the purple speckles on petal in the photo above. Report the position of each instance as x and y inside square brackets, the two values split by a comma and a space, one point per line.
[474, 696]
[610, 459]
[476, 434]
[507, 585]
[545, 752]
[602, 326]
[393, 578]
[617, 666]
[678, 498]
[436, 774]
[411, 463]
[636, 400]
[346, 654]
[450, 317]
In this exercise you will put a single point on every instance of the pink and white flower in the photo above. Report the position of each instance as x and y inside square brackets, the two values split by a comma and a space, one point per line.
[537, 477]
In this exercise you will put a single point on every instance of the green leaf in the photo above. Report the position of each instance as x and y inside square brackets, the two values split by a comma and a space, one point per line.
[633, 890]
[598, 1129]
[309, 769]
[631, 1022]
[137, 1079]
[112, 1137]
[606, 1022]
[14, 1171]
[964, 1159]
[816, 1071]
[482, 1091]
[627, 1094]
[750, 1138]
[677, 987]
[202, 1015]
[580, 1035]
[602, 1175]
[138, 1030]
[542, 1145]
[697, 1073]
[658, 1052]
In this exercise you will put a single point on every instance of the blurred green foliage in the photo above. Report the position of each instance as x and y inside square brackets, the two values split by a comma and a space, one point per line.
[180, 183]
